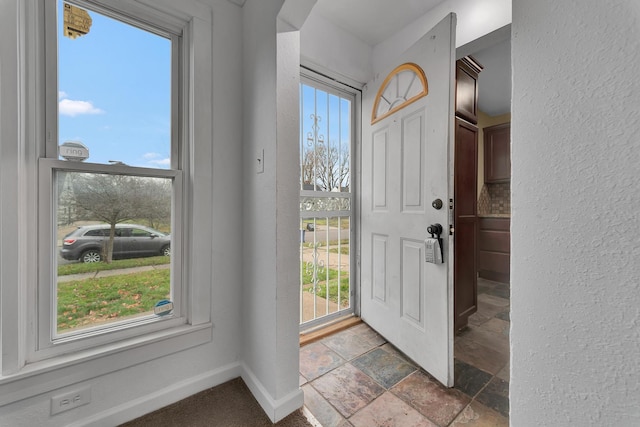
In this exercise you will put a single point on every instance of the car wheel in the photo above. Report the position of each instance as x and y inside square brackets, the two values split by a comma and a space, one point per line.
[91, 256]
[166, 251]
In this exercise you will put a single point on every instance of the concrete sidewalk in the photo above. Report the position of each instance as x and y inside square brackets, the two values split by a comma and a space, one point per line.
[107, 273]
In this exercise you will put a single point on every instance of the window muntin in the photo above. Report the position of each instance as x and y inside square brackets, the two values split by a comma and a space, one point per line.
[403, 86]
[142, 153]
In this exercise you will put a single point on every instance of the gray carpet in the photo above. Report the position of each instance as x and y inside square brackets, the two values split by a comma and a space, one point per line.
[228, 405]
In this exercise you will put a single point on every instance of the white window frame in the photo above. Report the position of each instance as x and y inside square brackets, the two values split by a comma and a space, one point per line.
[27, 348]
[49, 342]
[351, 90]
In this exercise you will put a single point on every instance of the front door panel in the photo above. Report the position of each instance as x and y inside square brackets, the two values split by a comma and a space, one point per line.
[406, 164]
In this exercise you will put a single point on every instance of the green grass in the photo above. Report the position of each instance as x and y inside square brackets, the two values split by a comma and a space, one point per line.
[92, 267]
[92, 301]
[344, 250]
[333, 284]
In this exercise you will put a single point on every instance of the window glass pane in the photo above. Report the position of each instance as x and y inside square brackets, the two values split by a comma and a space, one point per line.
[114, 245]
[325, 268]
[325, 144]
[325, 204]
[114, 89]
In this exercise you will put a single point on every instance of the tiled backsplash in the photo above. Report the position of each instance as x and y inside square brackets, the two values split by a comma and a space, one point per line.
[495, 199]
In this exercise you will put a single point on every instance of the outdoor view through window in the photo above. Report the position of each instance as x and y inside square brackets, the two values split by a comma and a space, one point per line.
[114, 219]
[326, 117]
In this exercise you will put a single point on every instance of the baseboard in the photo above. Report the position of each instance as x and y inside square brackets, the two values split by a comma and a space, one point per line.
[161, 398]
[275, 409]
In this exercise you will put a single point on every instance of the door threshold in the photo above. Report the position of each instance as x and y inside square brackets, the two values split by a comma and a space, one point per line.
[319, 332]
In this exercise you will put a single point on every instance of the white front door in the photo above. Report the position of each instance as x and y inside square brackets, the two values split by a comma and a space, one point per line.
[407, 164]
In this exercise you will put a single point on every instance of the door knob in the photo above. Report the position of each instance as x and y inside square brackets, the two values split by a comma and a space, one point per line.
[435, 230]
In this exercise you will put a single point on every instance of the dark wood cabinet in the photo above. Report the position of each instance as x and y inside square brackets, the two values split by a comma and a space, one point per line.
[465, 189]
[467, 70]
[497, 153]
[465, 230]
[494, 251]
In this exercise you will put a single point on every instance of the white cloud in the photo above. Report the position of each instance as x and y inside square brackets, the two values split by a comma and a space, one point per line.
[156, 159]
[62, 94]
[161, 162]
[69, 107]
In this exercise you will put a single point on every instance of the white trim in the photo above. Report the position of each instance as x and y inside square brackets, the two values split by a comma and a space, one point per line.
[23, 131]
[330, 74]
[161, 398]
[48, 342]
[62, 371]
[276, 409]
[330, 85]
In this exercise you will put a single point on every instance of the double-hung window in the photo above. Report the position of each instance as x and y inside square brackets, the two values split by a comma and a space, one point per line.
[113, 200]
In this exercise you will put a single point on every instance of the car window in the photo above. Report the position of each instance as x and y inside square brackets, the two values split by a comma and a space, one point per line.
[92, 233]
[136, 232]
[123, 232]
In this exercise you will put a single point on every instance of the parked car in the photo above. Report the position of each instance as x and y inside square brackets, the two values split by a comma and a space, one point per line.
[88, 243]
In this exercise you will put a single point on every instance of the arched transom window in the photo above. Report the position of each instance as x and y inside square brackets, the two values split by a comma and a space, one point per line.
[404, 85]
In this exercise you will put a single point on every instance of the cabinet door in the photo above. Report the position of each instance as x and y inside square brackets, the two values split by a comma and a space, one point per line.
[467, 89]
[497, 153]
[465, 229]
[494, 253]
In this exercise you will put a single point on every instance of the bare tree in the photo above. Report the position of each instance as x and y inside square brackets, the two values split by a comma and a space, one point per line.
[113, 199]
[326, 168]
[156, 202]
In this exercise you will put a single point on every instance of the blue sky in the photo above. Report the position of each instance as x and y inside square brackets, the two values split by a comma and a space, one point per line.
[334, 114]
[114, 95]
[114, 92]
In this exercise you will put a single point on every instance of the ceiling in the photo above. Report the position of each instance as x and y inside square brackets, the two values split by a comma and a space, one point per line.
[372, 21]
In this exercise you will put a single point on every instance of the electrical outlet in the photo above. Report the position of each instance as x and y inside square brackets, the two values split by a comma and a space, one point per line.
[73, 399]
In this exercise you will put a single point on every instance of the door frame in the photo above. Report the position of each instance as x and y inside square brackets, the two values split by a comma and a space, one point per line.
[309, 73]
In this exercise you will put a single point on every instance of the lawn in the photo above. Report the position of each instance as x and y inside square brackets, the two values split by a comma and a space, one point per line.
[323, 280]
[88, 302]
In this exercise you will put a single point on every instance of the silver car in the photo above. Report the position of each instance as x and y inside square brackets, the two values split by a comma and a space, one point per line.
[88, 243]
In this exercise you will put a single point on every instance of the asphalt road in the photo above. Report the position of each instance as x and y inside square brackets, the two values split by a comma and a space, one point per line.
[321, 234]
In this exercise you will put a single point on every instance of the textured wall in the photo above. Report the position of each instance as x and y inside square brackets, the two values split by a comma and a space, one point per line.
[575, 213]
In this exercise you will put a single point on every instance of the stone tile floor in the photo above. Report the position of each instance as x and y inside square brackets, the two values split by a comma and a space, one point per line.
[355, 378]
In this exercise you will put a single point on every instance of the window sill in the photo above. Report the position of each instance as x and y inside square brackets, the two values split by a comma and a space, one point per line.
[51, 374]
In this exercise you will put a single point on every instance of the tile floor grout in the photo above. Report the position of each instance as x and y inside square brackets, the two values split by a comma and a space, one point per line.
[343, 396]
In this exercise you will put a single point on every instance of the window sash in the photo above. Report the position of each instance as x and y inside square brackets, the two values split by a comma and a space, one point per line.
[24, 140]
[48, 342]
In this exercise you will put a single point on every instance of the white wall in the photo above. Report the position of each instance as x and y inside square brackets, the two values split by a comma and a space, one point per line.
[475, 18]
[132, 389]
[575, 250]
[270, 298]
[326, 47]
